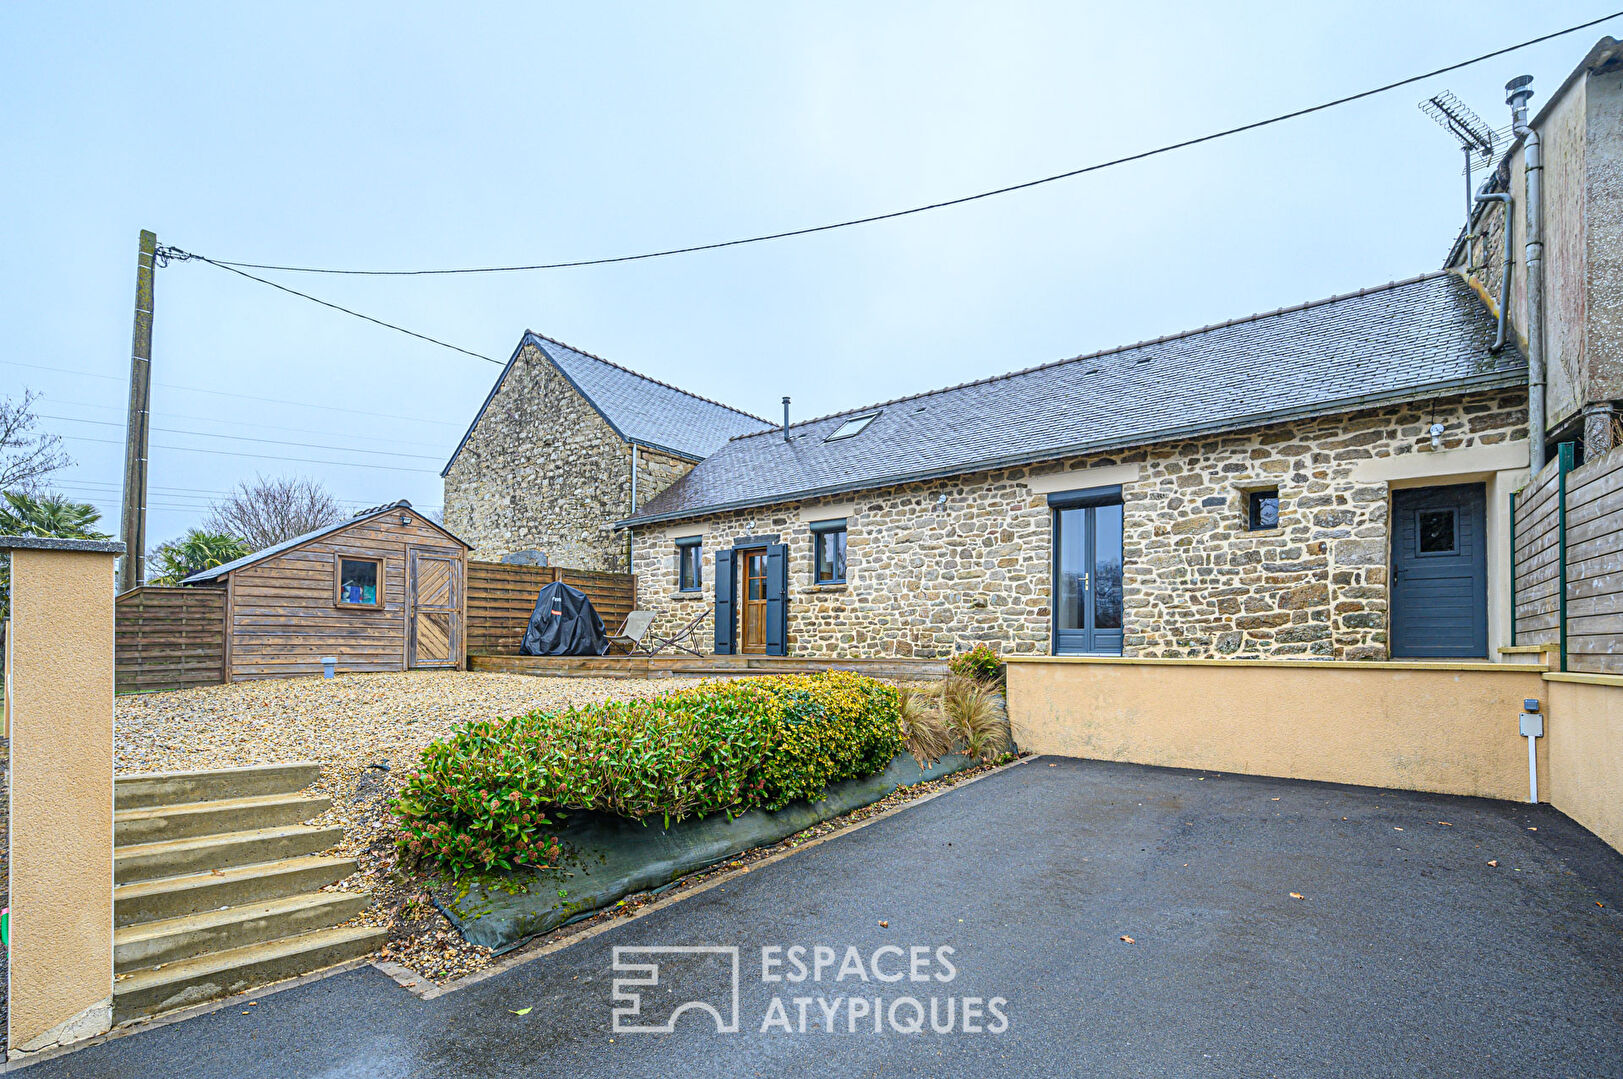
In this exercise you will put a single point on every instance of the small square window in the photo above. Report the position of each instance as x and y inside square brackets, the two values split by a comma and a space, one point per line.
[1436, 531]
[1262, 509]
[360, 582]
[690, 564]
[828, 552]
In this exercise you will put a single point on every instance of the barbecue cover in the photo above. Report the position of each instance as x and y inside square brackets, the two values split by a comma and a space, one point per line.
[564, 624]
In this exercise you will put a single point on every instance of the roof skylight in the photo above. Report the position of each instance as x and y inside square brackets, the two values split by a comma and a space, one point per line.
[852, 426]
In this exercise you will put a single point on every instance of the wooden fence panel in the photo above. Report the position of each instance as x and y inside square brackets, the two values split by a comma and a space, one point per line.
[1594, 570]
[1537, 561]
[501, 598]
[168, 638]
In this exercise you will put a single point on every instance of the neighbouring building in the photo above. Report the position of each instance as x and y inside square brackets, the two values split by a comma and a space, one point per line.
[1331, 480]
[566, 444]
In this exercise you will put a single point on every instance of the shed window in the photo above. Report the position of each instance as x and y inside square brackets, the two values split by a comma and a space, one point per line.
[828, 552]
[690, 564]
[1262, 509]
[360, 582]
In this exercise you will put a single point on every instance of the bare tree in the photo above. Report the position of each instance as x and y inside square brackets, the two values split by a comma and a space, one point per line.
[27, 455]
[268, 511]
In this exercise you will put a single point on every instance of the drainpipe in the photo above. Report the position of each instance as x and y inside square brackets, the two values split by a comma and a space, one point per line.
[630, 542]
[1504, 273]
[1533, 164]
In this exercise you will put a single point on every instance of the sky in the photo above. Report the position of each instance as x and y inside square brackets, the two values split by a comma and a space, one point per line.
[407, 135]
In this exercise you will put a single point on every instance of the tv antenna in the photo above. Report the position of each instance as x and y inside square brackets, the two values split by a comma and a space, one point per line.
[1469, 130]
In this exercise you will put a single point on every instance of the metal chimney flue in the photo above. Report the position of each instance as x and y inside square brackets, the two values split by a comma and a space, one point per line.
[1517, 93]
[786, 419]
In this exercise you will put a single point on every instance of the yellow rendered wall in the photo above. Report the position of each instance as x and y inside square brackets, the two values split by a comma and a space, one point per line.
[60, 707]
[1450, 729]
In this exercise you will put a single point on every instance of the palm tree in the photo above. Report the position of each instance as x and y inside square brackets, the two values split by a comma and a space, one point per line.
[48, 515]
[192, 553]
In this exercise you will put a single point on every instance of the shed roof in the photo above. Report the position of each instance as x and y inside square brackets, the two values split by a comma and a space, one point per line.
[640, 409]
[1401, 341]
[203, 576]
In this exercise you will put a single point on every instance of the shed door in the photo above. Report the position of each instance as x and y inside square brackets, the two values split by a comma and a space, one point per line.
[1439, 572]
[434, 636]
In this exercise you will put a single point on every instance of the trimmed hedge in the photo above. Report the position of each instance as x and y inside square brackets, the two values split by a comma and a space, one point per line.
[486, 798]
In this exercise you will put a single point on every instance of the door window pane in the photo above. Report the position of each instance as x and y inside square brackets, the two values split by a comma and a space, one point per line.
[1070, 540]
[1436, 531]
[1107, 567]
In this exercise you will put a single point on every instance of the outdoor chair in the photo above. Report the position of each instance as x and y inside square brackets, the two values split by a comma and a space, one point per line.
[676, 639]
[631, 634]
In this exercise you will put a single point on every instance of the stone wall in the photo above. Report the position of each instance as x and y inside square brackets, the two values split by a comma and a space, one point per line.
[927, 578]
[542, 470]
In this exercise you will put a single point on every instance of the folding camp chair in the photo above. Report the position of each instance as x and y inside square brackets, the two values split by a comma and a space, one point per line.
[631, 634]
[684, 634]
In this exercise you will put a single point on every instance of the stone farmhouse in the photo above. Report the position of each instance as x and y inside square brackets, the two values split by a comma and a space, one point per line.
[1331, 480]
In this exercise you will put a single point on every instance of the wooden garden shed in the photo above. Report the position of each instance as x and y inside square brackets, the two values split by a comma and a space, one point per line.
[382, 591]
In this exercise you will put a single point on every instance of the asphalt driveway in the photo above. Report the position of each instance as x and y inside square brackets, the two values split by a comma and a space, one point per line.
[1407, 954]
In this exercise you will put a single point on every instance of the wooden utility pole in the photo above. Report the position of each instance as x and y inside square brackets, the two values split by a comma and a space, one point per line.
[132, 571]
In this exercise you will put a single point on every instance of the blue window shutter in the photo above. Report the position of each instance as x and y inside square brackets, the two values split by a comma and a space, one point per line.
[724, 603]
[777, 600]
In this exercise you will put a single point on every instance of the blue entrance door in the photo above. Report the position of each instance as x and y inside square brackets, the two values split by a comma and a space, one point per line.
[1439, 572]
[1087, 576]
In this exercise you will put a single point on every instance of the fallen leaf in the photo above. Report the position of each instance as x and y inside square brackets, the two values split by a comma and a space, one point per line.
[1598, 903]
[1298, 895]
[1128, 940]
[1494, 863]
[884, 925]
[1445, 824]
[521, 1011]
[1273, 799]
[1532, 829]
[1395, 828]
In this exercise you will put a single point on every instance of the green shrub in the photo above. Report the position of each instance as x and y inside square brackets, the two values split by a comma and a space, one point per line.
[488, 797]
[979, 663]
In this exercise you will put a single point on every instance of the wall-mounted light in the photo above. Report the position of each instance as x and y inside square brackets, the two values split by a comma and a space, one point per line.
[405, 519]
[1436, 432]
[942, 501]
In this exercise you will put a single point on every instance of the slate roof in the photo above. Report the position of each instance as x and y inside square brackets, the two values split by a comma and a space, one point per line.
[1402, 341]
[640, 409]
[204, 576]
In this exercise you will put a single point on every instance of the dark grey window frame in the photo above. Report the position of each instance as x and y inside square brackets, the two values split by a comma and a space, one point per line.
[1088, 641]
[1253, 508]
[818, 530]
[685, 544]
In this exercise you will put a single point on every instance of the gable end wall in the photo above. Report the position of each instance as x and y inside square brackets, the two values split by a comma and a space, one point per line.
[542, 470]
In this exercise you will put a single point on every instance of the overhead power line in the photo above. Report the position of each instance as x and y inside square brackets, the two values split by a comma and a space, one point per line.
[259, 456]
[240, 266]
[237, 396]
[245, 438]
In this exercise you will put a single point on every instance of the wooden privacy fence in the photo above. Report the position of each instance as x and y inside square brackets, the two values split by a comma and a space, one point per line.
[1567, 584]
[168, 638]
[501, 598]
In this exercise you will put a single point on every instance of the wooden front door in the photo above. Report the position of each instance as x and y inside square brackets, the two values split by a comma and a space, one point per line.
[752, 601]
[434, 617]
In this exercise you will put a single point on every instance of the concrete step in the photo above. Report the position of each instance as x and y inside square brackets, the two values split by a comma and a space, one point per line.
[218, 974]
[171, 940]
[173, 788]
[199, 854]
[172, 897]
[150, 824]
